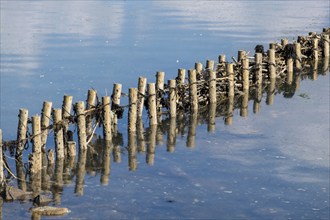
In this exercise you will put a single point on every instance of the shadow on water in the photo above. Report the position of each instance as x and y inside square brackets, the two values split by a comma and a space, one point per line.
[50, 184]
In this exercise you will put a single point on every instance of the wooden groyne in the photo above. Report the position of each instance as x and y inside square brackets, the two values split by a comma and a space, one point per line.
[192, 92]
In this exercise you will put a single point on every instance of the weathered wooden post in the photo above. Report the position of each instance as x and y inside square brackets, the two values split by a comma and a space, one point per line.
[181, 76]
[246, 74]
[152, 104]
[160, 76]
[81, 121]
[212, 86]
[36, 150]
[132, 109]
[172, 97]
[116, 94]
[106, 118]
[284, 42]
[72, 149]
[298, 55]
[142, 84]
[222, 58]
[272, 46]
[21, 132]
[58, 131]
[45, 117]
[193, 90]
[230, 73]
[289, 63]
[210, 64]
[241, 55]
[272, 64]
[326, 45]
[66, 112]
[258, 67]
[1, 162]
[171, 135]
[198, 68]
[90, 103]
[315, 48]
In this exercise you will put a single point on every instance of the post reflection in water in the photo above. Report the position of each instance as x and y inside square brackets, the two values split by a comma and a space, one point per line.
[271, 92]
[140, 135]
[35, 183]
[211, 117]
[315, 69]
[58, 180]
[117, 141]
[257, 99]
[244, 104]
[106, 163]
[325, 66]
[151, 144]
[230, 109]
[171, 135]
[131, 148]
[192, 129]
[80, 172]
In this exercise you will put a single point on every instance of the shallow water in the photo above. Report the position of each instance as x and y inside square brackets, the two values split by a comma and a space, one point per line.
[273, 164]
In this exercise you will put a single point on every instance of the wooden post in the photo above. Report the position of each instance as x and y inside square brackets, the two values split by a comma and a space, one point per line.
[315, 48]
[258, 67]
[172, 97]
[81, 121]
[181, 76]
[66, 111]
[171, 135]
[198, 68]
[90, 103]
[246, 74]
[272, 46]
[152, 104]
[21, 132]
[160, 76]
[241, 55]
[116, 93]
[1, 162]
[210, 64]
[230, 73]
[58, 130]
[45, 117]
[326, 45]
[272, 64]
[80, 175]
[72, 149]
[36, 138]
[142, 84]
[132, 109]
[193, 90]
[106, 118]
[298, 55]
[222, 58]
[284, 42]
[212, 87]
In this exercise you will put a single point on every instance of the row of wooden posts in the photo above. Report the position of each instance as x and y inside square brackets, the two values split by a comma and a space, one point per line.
[205, 87]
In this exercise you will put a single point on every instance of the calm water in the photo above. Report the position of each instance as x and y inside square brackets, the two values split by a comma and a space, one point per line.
[274, 164]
